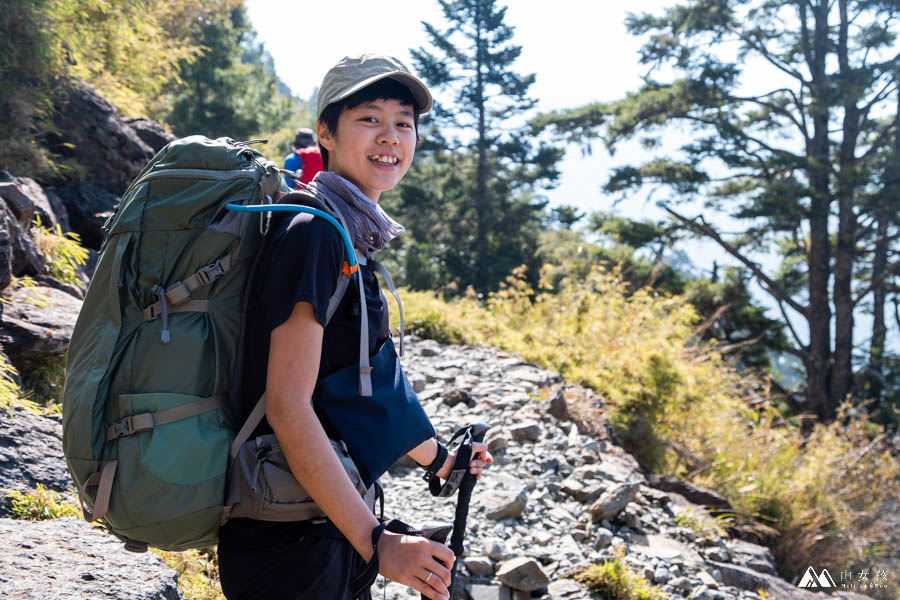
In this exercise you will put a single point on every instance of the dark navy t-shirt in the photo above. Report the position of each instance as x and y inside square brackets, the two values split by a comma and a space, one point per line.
[301, 262]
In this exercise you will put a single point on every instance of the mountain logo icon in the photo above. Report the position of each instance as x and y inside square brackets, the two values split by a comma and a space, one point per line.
[811, 580]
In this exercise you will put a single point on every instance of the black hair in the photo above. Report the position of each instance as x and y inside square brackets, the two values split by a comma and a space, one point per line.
[383, 89]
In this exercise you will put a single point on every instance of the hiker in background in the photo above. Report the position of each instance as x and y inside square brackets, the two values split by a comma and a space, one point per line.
[368, 109]
[304, 158]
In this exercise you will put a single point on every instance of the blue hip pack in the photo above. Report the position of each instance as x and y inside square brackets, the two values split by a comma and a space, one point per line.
[380, 428]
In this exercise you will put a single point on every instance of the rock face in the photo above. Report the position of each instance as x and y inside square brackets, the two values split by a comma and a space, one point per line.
[38, 320]
[94, 134]
[88, 207]
[112, 150]
[30, 453]
[66, 559]
[22, 202]
[26, 199]
[151, 133]
[19, 255]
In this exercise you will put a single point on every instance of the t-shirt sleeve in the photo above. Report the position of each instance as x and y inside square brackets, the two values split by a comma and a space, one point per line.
[304, 262]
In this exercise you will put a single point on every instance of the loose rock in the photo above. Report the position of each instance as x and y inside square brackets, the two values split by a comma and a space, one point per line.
[523, 574]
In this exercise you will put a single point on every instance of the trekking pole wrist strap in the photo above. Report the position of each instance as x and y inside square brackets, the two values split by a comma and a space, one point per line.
[438, 462]
[363, 580]
[460, 465]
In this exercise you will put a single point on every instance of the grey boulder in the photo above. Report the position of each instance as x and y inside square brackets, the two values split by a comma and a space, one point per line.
[30, 453]
[62, 559]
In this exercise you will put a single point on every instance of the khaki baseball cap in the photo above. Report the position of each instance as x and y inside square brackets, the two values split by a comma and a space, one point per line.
[353, 73]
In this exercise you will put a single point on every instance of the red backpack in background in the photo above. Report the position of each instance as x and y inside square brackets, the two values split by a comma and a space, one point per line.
[311, 161]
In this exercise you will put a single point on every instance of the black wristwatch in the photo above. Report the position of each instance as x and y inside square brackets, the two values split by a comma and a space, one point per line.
[438, 462]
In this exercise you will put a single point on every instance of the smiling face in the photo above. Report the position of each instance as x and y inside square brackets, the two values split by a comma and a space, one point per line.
[372, 145]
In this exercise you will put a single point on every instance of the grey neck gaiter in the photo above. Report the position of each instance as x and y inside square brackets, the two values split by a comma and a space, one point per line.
[370, 227]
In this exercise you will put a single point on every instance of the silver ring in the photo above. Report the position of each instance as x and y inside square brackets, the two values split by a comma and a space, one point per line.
[429, 576]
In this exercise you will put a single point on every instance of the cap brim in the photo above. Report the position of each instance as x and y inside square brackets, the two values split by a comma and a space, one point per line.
[419, 90]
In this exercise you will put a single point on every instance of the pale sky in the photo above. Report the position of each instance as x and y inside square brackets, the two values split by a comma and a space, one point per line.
[578, 49]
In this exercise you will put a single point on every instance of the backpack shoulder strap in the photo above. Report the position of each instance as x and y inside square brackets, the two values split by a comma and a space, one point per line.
[379, 268]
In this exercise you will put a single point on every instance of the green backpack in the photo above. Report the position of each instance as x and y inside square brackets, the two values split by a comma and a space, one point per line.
[146, 428]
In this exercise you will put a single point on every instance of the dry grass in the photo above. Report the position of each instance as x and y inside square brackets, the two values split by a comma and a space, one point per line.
[684, 409]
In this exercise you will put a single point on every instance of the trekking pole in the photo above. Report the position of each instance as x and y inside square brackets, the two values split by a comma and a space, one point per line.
[477, 432]
[438, 531]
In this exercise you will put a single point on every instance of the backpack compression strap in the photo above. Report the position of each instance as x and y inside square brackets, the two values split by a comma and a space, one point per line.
[177, 297]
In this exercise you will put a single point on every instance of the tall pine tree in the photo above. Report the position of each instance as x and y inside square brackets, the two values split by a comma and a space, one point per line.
[796, 158]
[496, 214]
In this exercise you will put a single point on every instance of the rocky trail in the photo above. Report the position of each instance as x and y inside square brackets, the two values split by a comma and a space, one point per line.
[560, 495]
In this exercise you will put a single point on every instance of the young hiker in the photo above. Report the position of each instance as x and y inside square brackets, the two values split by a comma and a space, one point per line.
[304, 158]
[368, 110]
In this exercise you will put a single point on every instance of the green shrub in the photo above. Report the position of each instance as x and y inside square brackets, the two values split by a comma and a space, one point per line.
[63, 253]
[10, 394]
[43, 379]
[41, 504]
[198, 572]
[613, 579]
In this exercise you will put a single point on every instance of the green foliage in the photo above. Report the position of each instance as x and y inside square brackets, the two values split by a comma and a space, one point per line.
[702, 523]
[128, 51]
[43, 378]
[10, 394]
[63, 253]
[198, 572]
[27, 62]
[734, 321]
[230, 89]
[615, 580]
[41, 504]
[804, 163]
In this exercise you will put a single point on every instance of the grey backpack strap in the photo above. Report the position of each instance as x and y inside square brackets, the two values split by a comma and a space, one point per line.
[365, 369]
[252, 422]
[387, 279]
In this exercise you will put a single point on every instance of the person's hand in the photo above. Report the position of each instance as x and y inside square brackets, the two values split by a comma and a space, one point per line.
[413, 561]
[480, 459]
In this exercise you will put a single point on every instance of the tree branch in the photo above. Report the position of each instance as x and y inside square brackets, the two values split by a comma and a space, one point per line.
[764, 52]
[789, 324]
[775, 108]
[873, 284]
[883, 137]
[883, 93]
[703, 228]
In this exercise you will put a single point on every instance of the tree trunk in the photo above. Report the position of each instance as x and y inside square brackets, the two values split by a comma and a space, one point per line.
[482, 202]
[842, 371]
[879, 326]
[819, 319]
[891, 197]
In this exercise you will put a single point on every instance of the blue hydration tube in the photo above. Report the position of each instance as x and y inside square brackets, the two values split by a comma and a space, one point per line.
[298, 208]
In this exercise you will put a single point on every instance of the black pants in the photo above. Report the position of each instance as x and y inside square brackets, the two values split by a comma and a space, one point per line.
[285, 561]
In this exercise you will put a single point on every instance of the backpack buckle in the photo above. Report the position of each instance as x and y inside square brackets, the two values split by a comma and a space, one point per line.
[129, 426]
[119, 429]
[210, 273]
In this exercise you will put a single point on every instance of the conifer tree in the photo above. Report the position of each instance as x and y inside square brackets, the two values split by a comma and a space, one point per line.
[497, 216]
[796, 159]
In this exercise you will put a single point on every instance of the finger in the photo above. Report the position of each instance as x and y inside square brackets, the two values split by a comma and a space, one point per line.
[438, 583]
[480, 450]
[440, 572]
[442, 553]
